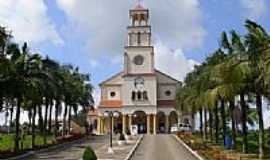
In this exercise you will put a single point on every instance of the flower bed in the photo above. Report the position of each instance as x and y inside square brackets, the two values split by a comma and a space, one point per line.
[213, 152]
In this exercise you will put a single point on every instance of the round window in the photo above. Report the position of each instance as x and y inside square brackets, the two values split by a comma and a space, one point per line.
[138, 60]
[113, 94]
[168, 93]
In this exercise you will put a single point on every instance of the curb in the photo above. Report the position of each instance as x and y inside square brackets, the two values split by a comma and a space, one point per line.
[194, 153]
[130, 154]
[31, 153]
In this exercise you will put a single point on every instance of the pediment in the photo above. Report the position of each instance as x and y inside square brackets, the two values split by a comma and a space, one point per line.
[165, 79]
[114, 80]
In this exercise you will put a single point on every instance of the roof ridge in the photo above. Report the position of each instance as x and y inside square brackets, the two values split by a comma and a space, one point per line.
[113, 76]
[167, 75]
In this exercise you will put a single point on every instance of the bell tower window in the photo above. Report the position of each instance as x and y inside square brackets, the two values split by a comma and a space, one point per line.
[145, 97]
[133, 96]
[139, 95]
[139, 39]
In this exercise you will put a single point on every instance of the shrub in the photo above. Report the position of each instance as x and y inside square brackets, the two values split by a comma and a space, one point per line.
[122, 137]
[89, 154]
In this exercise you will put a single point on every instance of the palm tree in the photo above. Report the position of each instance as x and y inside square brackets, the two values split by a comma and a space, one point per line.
[257, 41]
[235, 74]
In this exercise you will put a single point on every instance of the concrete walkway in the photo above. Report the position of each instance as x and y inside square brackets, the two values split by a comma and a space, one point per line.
[73, 152]
[120, 152]
[161, 147]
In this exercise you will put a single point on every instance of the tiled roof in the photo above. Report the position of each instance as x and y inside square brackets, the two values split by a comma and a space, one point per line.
[166, 103]
[111, 104]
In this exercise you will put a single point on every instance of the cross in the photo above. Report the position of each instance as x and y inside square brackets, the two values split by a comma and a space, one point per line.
[139, 1]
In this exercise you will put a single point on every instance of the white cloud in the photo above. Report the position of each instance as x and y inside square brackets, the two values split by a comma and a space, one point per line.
[28, 21]
[173, 62]
[96, 95]
[103, 23]
[254, 8]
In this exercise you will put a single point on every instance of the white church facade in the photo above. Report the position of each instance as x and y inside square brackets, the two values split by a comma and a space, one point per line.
[142, 96]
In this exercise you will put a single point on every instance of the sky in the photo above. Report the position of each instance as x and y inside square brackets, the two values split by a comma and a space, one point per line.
[91, 34]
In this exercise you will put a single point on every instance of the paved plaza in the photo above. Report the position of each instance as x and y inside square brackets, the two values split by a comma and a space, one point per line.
[161, 147]
[152, 147]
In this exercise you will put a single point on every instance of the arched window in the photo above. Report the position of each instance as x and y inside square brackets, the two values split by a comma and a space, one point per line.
[133, 96]
[139, 95]
[145, 97]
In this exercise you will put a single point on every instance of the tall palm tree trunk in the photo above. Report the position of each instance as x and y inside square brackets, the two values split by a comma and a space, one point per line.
[233, 124]
[69, 120]
[56, 117]
[17, 127]
[193, 118]
[29, 119]
[216, 123]
[205, 125]
[244, 122]
[211, 125]
[223, 117]
[50, 117]
[45, 121]
[40, 119]
[33, 127]
[65, 119]
[201, 122]
[86, 124]
[261, 125]
[11, 114]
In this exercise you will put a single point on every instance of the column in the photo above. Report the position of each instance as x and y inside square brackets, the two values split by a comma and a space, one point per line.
[154, 124]
[102, 125]
[129, 122]
[112, 124]
[124, 123]
[98, 125]
[167, 127]
[148, 124]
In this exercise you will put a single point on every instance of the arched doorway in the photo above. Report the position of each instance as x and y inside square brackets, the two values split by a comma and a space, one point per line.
[117, 124]
[161, 122]
[140, 120]
[173, 119]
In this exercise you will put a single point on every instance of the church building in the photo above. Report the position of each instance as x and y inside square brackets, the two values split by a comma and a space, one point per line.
[140, 97]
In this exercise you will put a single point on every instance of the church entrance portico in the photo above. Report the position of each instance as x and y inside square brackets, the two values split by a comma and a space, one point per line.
[161, 122]
[173, 119]
[140, 120]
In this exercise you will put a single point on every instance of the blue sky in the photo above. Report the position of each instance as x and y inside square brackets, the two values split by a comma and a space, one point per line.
[91, 33]
[71, 36]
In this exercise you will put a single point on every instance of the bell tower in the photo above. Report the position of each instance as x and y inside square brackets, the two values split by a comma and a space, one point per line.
[139, 52]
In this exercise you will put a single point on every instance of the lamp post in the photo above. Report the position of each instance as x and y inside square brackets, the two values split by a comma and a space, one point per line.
[110, 115]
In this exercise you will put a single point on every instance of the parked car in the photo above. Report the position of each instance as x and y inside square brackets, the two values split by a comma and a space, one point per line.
[184, 127]
[174, 128]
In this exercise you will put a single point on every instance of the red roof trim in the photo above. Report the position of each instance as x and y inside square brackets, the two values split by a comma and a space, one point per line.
[166, 103]
[110, 104]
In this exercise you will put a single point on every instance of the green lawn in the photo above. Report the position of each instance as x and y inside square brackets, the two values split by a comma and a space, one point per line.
[7, 142]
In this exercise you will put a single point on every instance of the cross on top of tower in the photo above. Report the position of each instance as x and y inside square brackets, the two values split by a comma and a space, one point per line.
[139, 6]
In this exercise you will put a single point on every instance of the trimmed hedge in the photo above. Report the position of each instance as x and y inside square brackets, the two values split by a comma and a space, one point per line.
[89, 154]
